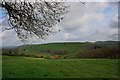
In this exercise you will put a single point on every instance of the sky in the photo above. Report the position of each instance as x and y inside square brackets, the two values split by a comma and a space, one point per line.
[94, 21]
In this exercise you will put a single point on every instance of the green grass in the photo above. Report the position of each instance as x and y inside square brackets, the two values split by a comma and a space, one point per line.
[16, 58]
[70, 47]
[67, 50]
[26, 67]
[0, 66]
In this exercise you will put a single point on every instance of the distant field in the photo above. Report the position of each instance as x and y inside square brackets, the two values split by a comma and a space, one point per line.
[69, 48]
[26, 67]
[66, 50]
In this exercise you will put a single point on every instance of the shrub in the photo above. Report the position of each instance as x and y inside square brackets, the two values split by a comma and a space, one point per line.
[111, 52]
[38, 56]
[56, 57]
[65, 57]
[47, 57]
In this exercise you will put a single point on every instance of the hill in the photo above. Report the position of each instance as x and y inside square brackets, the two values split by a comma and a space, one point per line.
[107, 43]
[58, 50]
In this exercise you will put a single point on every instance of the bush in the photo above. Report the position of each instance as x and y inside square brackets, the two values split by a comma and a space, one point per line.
[111, 52]
[47, 57]
[38, 56]
[56, 57]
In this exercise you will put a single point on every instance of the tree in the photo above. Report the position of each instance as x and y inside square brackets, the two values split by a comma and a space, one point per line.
[38, 18]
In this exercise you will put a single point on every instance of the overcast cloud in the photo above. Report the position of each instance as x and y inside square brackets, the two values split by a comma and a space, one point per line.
[94, 21]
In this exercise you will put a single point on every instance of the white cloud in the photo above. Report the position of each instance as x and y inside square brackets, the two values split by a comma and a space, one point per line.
[86, 22]
[66, 35]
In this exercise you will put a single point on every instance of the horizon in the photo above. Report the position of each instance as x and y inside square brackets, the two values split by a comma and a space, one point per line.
[57, 42]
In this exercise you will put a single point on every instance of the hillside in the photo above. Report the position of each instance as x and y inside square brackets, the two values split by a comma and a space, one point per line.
[66, 49]
[107, 43]
[57, 48]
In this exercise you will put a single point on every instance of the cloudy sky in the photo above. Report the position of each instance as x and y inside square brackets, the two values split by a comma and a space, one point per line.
[94, 21]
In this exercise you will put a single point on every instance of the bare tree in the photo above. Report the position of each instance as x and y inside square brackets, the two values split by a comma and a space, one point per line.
[33, 18]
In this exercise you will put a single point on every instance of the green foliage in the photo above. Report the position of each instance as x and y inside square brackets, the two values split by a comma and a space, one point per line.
[110, 52]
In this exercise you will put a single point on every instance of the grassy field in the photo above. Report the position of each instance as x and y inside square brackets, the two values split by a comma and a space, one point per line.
[65, 50]
[70, 48]
[0, 66]
[26, 67]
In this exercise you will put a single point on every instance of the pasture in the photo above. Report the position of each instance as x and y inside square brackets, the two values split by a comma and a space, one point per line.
[28, 67]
